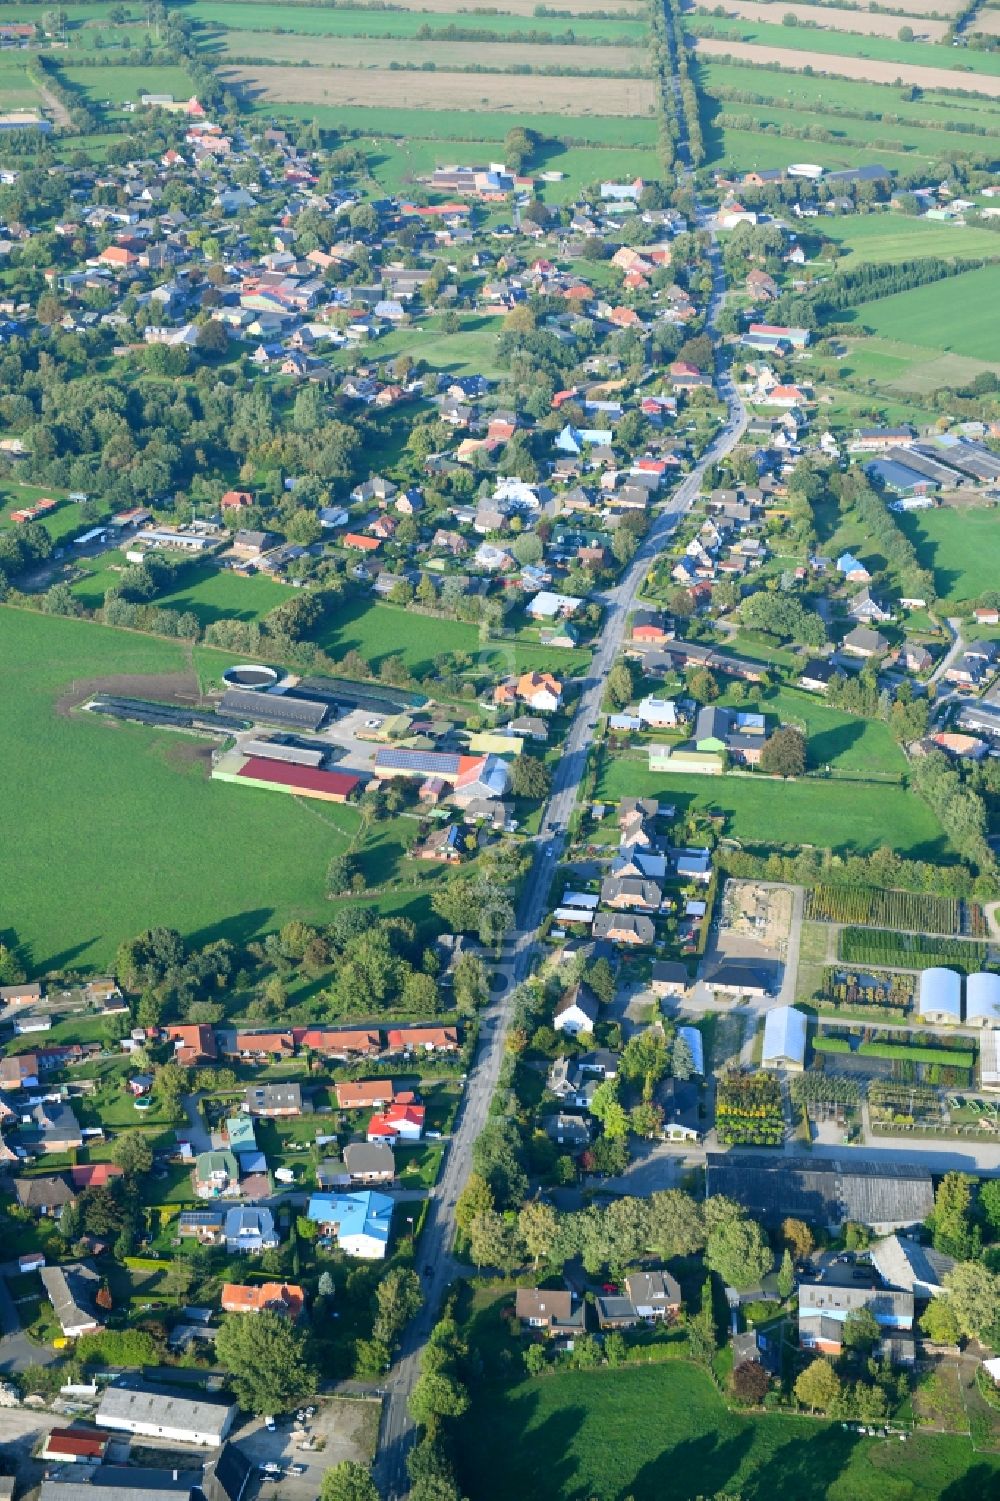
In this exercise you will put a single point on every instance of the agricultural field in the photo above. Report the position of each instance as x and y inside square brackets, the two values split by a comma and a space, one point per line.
[226, 20]
[113, 823]
[448, 126]
[584, 1433]
[16, 89]
[847, 816]
[829, 18]
[960, 545]
[904, 911]
[978, 81]
[882, 237]
[846, 47]
[945, 315]
[890, 949]
[501, 93]
[382, 52]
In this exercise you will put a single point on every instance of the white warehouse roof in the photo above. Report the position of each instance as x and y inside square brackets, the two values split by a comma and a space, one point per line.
[696, 1043]
[941, 994]
[784, 1036]
[982, 999]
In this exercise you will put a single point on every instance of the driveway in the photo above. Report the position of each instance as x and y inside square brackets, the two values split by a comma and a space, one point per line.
[196, 1130]
[17, 1351]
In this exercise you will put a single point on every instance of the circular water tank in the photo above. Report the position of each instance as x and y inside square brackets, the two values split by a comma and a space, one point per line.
[249, 676]
[805, 169]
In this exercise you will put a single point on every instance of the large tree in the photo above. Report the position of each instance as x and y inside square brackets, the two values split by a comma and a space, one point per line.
[348, 1481]
[738, 1250]
[818, 1386]
[269, 1361]
[784, 753]
[953, 1229]
[974, 1297]
[133, 1153]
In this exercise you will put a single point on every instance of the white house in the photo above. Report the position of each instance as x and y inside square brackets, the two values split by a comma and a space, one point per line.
[359, 1222]
[577, 1011]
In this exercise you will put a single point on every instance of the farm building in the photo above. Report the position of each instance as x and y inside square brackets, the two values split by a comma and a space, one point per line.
[904, 1263]
[785, 1039]
[280, 776]
[824, 1191]
[273, 708]
[940, 995]
[982, 1000]
[152, 1412]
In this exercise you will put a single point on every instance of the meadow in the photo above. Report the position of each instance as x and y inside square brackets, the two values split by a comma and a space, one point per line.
[382, 52]
[396, 162]
[119, 84]
[115, 827]
[16, 89]
[378, 631]
[844, 741]
[342, 21]
[844, 44]
[840, 815]
[872, 70]
[881, 237]
[961, 546]
[470, 126]
[215, 594]
[946, 315]
[663, 1430]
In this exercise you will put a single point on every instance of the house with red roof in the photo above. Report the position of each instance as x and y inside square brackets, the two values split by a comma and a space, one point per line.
[398, 1122]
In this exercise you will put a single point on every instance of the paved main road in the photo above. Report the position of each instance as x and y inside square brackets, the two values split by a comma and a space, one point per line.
[437, 1265]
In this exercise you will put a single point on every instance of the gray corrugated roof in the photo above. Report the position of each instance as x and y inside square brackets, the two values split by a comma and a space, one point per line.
[273, 708]
[122, 1405]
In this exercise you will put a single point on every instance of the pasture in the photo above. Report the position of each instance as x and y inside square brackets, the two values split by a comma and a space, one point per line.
[115, 827]
[395, 163]
[870, 70]
[118, 85]
[946, 315]
[877, 238]
[447, 126]
[231, 16]
[588, 1433]
[853, 817]
[845, 45]
[215, 594]
[378, 89]
[961, 546]
[829, 18]
[383, 52]
[824, 92]
[16, 89]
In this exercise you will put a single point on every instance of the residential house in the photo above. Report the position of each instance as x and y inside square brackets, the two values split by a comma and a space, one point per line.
[555, 1312]
[631, 894]
[577, 1011]
[567, 1131]
[72, 1289]
[44, 1196]
[669, 978]
[250, 1230]
[359, 1222]
[398, 1121]
[368, 1162]
[285, 1298]
[425, 1039]
[216, 1175]
[865, 643]
[274, 1101]
[363, 1094]
[206, 1226]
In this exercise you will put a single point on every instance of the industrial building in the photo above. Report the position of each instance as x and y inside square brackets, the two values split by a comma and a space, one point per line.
[823, 1191]
[158, 1412]
[283, 709]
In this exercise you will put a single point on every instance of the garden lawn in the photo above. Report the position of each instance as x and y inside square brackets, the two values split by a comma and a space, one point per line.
[663, 1431]
[960, 546]
[847, 816]
[946, 315]
[216, 594]
[116, 827]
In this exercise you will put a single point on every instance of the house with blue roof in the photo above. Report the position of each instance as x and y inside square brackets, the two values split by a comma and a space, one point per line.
[250, 1230]
[358, 1222]
[853, 569]
[575, 439]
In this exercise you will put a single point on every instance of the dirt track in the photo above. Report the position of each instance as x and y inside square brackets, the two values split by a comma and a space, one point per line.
[502, 92]
[163, 687]
[865, 69]
[829, 18]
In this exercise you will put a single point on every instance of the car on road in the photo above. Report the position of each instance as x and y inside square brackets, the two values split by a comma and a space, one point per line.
[269, 1424]
[296, 1469]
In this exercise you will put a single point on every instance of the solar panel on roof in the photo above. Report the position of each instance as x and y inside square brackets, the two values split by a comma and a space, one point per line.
[424, 761]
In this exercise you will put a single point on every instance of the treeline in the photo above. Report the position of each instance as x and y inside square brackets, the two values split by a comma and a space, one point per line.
[454, 33]
[853, 492]
[959, 809]
[548, 70]
[46, 77]
[905, 715]
[884, 868]
[871, 282]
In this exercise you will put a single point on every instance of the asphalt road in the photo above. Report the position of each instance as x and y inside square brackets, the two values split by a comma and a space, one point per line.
[397, 1430]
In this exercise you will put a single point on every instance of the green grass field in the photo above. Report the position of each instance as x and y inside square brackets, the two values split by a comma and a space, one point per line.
[893, 237]
[663, 1431]
[378, 631]
[844, 816]
[395, 163]
[961, 547]
[214, 594]
[405, 24]
[16, 89]
[946, 315]
[115, 827]
[841, 740]
[119, 84]
[465, 125]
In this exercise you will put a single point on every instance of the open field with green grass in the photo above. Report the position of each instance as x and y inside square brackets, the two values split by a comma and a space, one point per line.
[384, 51]
[838, 815]
[663, 1430]
[280, 21]
[985, 81]
[117, 85]
[16, 89]
[835, 739]
[62, 522]
[475, 126]
[214, 593]
[395, 163]
[882, 237]
[378, 631]
[825, 92]
[946, 315]
[114, 826]
[961, 546]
